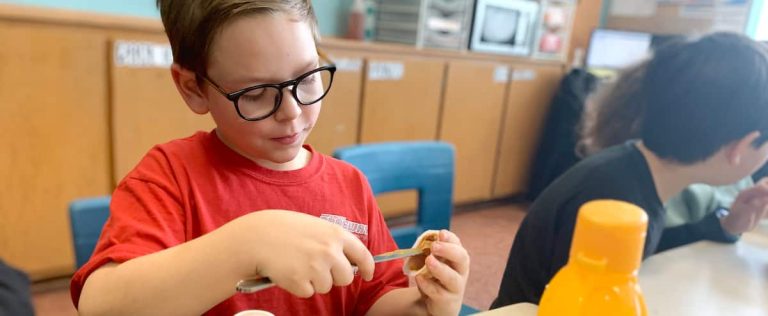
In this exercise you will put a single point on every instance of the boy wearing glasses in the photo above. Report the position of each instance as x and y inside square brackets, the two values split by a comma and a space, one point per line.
[249, 198]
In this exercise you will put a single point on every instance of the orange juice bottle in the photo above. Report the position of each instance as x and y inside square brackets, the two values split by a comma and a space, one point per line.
[600, 277]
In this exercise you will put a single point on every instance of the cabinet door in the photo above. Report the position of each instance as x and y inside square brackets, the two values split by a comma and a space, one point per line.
[339, 122]
[531, 90]
[55, 144]
[401, 102]
[471, 117]
[146, 107]
[402, 99]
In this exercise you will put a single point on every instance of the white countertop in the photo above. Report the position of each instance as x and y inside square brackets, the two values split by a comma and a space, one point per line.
[701, 279]
[708, 278]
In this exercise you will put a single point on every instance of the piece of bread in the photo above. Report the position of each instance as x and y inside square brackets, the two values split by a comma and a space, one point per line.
[415, 265]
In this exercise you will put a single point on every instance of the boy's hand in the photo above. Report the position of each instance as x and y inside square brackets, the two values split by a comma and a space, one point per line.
[449, 266]
[750, 206]
[301, 253]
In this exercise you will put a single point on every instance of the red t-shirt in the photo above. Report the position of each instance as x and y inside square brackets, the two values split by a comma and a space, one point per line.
[189, 187]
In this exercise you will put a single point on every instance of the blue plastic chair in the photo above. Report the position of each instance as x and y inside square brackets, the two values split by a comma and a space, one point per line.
[87, 218]
[426, 166]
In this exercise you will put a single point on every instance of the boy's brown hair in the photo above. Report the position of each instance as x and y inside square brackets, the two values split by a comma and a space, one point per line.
[192, 25]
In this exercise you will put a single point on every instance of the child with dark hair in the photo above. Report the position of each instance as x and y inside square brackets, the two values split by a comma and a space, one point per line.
[704, 105]
[615, 116]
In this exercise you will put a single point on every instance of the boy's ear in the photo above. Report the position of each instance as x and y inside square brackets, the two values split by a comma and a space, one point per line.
[738, 148]
[186, 83]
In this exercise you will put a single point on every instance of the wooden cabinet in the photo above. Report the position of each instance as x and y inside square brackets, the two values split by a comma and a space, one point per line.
[339, 120]
[402, 99]
[146, 108]
[530, 93]
[471, 117]
[401, 102]
[55, 139]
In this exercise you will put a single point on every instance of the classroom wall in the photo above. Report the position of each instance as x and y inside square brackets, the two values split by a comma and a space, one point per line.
[331, 14]
[142, 8]
[758, 24]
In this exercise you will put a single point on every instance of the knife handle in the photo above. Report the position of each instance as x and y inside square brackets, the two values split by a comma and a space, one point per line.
[258, 283]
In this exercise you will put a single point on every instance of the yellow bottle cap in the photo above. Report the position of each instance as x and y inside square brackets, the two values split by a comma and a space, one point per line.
[610, 236]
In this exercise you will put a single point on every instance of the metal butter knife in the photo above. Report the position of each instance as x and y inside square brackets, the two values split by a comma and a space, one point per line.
[260, 283]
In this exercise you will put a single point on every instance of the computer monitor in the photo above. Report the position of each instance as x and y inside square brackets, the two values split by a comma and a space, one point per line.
[614, 49]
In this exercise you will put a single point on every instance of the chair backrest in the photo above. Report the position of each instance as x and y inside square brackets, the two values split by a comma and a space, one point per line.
[425, 166]
[87, 218]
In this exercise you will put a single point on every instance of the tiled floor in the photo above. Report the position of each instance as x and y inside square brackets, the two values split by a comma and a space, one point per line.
[52, 298]
[487, 234]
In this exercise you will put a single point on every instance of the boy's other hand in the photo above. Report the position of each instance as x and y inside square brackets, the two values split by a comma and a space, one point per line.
[301, 253]
[750, 206]
[449, 266]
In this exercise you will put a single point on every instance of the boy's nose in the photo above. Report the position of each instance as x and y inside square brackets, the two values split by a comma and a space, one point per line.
[289, 108]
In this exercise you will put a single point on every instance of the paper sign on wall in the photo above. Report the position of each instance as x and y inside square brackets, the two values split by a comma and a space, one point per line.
[386, 71]
[348, 64]
[523, 75]
[142, 54]
[635, 8]
[501, 74]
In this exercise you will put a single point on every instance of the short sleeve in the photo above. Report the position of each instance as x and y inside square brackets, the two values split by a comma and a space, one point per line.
[145, 217]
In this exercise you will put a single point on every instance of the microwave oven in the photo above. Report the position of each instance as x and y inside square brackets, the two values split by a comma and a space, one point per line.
[504, 26]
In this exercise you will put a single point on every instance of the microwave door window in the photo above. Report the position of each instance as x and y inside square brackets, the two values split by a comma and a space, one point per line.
[500, 26]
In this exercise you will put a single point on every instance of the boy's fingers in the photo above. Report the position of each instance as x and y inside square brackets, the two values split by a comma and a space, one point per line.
[764, 211]
[342, 272]
[448, 236]
[322, 283]
[757, 205]
[760, 190]
[428, 287]
[301, 289]
[455, 254]
[448, 277]
[359, 255]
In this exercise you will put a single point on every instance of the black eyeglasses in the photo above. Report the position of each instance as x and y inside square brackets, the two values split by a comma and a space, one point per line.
[261, 101]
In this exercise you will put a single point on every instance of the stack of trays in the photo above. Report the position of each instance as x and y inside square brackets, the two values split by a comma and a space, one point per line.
[428, 23]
